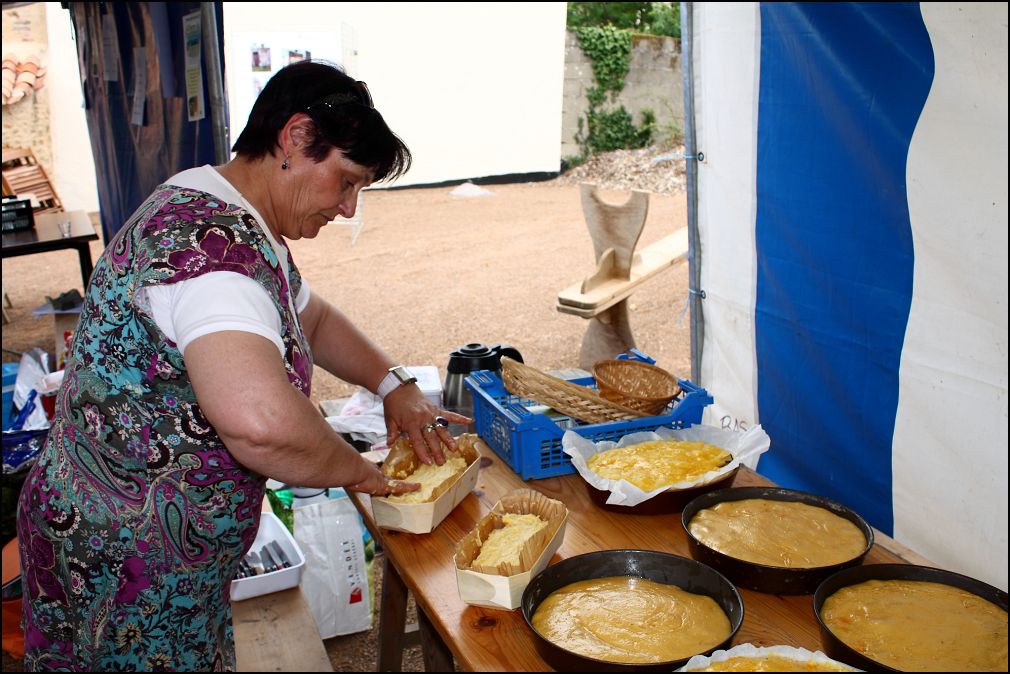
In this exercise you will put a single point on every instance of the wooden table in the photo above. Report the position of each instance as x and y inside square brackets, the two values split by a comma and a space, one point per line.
[481, 639]
[47, 235]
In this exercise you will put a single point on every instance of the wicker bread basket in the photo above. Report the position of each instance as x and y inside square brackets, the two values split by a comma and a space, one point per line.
[570, 399]
[632, 383]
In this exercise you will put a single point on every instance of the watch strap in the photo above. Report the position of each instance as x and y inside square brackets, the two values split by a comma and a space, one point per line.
[392, 381]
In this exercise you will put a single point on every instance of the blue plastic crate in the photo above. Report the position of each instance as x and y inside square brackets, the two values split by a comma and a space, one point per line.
[10, 375]
[530, 442]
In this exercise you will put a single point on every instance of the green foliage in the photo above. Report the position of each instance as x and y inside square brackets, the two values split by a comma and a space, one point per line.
[615, 130]
[569, 162]
[654, 18]
[596, 96]
[609, 49]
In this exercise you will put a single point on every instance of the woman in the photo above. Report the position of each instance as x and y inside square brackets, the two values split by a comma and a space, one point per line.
[188, 383]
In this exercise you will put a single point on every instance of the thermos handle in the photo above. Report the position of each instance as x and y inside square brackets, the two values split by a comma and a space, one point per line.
[507, 350]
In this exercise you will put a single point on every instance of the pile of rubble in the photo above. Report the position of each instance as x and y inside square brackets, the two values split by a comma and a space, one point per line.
[654, 169]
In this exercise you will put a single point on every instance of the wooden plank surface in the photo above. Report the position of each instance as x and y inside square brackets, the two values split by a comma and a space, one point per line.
[483, 639]
[604, 291]
[276, 633]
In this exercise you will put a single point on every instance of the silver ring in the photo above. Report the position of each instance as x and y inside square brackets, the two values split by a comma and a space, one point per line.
[442, 421]
[428, 427]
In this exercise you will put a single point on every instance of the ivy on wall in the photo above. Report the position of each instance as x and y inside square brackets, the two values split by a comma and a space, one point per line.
[609, 49]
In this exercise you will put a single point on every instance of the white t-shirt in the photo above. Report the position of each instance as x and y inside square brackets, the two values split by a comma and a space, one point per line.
[220, 300]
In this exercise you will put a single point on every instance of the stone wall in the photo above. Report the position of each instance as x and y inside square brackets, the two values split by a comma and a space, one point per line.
[654, 82]
[26, 123]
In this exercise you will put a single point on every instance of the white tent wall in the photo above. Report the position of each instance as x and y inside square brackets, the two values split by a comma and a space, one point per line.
[474, 89]
[726, 56]
[950, 437]
[948, 459]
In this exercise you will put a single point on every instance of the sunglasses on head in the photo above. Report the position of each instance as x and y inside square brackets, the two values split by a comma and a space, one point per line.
[361, 96]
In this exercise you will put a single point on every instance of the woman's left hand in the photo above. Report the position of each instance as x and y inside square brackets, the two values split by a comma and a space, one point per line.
[408, 412]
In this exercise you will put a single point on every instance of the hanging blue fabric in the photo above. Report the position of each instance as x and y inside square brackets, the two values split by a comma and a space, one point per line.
[834, 242]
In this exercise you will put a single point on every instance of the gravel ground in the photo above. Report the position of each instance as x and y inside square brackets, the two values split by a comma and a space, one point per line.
[431, 272]
[651, 168]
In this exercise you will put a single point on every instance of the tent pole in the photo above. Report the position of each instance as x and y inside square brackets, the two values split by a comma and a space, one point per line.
[215, 82]
[691, 165]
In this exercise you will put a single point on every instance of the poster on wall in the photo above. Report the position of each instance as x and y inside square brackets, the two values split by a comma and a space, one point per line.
[193, 36]
[255, 57]
[139, 85]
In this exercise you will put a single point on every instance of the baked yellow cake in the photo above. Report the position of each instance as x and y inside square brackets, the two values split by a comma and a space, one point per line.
[919, 626]
[652, 464]
[431, 476]
[629, 619]
[778, 533]
[505, 543]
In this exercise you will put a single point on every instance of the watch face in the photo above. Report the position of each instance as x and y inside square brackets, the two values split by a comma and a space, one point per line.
[403, 374]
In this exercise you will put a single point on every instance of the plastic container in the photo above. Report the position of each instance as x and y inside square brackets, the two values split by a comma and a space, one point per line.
[530, 441]
[271, 529]
[17, 214]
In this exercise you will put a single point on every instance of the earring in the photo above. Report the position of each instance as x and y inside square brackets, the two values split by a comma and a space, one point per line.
[284, 166]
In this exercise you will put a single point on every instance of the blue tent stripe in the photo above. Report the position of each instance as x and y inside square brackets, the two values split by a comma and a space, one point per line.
[842, 86]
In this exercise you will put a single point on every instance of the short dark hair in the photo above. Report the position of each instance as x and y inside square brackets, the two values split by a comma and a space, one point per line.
[352, 125]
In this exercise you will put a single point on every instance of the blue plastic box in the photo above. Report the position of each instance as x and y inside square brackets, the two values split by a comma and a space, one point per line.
[530, 442]
[10, 375]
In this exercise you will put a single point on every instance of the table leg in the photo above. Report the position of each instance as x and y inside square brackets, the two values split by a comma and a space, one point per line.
[392, 619]
[437, 656]
[84, 253]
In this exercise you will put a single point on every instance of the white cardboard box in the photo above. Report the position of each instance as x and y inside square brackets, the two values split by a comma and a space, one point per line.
[428, 382]
[271, 529]
[422, 518]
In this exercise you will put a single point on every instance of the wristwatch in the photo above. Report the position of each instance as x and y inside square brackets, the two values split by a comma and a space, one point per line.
[397, 376]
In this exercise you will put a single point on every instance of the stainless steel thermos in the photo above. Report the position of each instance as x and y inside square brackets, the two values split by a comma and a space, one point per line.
[463, 361]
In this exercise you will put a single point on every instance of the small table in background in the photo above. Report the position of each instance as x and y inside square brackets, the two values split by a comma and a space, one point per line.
[48, 235]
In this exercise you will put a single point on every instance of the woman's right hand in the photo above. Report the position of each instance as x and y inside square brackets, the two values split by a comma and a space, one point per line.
[378, 483]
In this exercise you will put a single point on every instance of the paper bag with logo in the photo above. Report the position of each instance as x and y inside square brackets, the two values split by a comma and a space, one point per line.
[335, 582]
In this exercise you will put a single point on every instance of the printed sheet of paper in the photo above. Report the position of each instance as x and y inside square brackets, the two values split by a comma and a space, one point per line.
[192, 32]
[139, 85]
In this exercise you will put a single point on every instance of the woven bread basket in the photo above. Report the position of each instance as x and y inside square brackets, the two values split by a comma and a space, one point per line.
[570, 399]
[637, 385]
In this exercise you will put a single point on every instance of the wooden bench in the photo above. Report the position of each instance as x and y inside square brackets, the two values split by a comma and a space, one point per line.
[277, 632]
[605, 287]
[602, 297]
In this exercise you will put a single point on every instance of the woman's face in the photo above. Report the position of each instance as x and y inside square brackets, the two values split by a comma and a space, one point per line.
[322, 191]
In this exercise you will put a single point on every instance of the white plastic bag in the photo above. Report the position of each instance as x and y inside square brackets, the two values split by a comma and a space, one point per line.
[31, 372]
[335, 580]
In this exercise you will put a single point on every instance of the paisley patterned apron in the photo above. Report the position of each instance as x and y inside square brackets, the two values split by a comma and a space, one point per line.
[134, 519]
